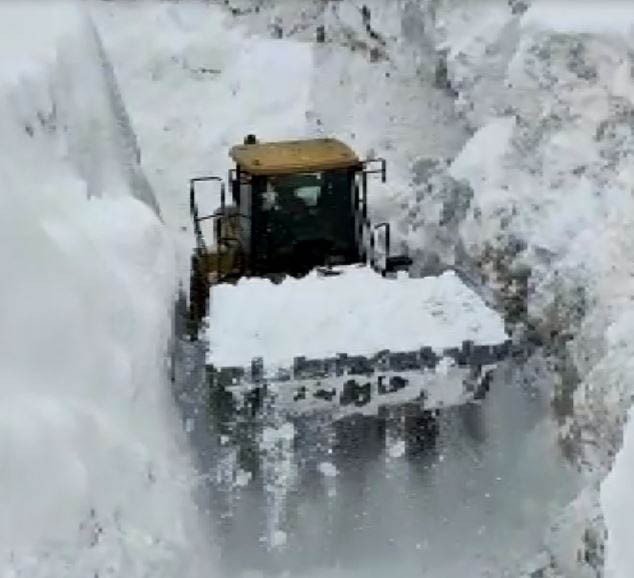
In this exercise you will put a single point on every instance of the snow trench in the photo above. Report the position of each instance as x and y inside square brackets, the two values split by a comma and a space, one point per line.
[96, 475]
[536, 205]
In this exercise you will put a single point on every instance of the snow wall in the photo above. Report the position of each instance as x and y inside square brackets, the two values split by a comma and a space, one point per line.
[539, 205]
[96, 478]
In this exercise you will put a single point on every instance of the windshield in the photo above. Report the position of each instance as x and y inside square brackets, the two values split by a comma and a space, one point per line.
[293, 192]
[307, 209]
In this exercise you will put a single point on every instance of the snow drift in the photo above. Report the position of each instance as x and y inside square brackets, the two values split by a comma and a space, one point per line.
[95, 474]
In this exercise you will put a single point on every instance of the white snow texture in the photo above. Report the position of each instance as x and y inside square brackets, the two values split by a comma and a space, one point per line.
[357, 312]
[550, 94]
[95, 476]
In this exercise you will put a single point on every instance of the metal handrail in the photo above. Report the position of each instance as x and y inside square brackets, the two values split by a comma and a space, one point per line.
[382, 170]
[193, 207]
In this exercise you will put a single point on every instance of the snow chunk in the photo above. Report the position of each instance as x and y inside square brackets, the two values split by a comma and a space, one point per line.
[493, 138]
[272, 436]
[278, 539]
[467, 32]
[243, 478]
[357, 312]
[397, 450]
[328, 469]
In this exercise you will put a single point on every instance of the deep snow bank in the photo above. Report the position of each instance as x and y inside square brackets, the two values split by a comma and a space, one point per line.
[540, 202]
[95, 475]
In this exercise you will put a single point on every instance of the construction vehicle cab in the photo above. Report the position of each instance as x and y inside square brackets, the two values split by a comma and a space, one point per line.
[295, 206]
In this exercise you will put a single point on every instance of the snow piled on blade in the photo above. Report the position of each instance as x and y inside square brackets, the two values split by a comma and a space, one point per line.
[357, 312]
[95, 476]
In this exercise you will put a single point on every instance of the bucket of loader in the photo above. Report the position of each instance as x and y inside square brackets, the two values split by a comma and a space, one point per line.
[353, 342]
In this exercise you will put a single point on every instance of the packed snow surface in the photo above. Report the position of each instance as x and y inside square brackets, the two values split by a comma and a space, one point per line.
[358, 312]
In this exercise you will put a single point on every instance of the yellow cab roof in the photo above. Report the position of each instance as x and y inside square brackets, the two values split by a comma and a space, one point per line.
[296, 156]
